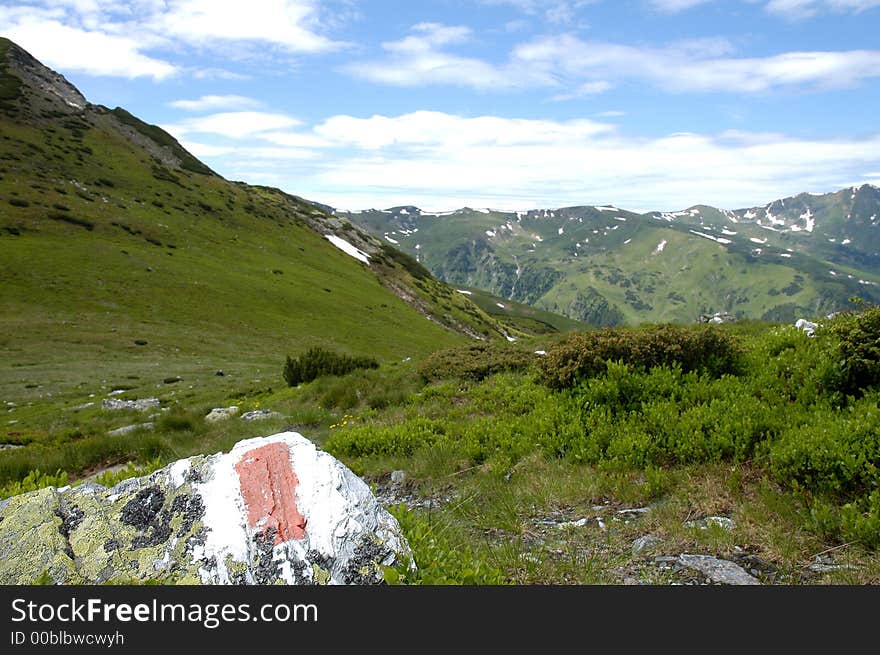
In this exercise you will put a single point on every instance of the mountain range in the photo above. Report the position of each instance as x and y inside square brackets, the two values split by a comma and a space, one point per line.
[805, 255]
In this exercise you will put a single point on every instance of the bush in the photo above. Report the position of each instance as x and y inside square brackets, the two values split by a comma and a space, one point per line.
[584, 355]
[414, 267]
[316, 362]
[391, 440]
[858, 351]
[475, 362]
[837, 453]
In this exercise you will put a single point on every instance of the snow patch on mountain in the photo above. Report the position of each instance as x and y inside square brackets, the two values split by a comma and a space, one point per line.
[711, 238]
[348, 249]
[810, 223]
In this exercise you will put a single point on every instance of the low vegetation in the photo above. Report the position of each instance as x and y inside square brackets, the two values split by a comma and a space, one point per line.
[509, 443]
[316, 362]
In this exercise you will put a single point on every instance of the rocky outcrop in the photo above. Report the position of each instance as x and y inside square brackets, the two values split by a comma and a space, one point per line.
[140, 405]
[221, 413]
[273, 510]
[718, 570]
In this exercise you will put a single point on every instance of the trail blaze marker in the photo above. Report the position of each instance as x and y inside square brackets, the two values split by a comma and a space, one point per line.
[268, 485]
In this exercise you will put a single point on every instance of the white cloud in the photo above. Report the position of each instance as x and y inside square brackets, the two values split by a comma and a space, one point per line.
[585, 89]
[553, 11]
[697, 65]
[576, 67]
[232, 124]
[74, 49]
[210, 102]
[290, 24]
[674, 6]
[419, 59]
[111, 37]
[440, 161]
[805, 8]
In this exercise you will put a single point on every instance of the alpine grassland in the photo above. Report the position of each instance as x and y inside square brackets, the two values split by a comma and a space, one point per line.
[537, 462]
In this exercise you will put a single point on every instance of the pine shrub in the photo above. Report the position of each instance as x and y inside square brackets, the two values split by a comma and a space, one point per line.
[316, 362]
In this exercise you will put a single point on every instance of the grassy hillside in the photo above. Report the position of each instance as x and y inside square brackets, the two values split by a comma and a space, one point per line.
[124, 262]
[518, 316]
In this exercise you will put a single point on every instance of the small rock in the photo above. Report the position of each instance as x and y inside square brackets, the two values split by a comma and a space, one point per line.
[172, 380]
[398, 477]
[76, 407]
[259, 415]
[824, 564]
[634, 510]
[573, 524]
[10, 446]
[141, 405]
[704, 523]
[130, 428]
[805, 326]
[221, 413]
[718, 570]
[642, 544]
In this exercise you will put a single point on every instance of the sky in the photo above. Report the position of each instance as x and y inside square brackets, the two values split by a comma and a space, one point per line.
[508, 104]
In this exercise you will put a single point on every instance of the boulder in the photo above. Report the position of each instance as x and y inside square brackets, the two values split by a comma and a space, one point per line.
[131, 428]
[644, 544]
[273, 510]
[260, 415]
[706, 522]
[141, 405]
[718, 570]
[717, 318]
[221, 413]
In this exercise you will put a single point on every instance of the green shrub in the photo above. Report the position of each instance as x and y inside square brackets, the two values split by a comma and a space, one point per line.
[836, 454]
[475, 361]
[402, 439]
[73, 220]
[584, 355]
[316, 362]
[414, 267]
[857, 351]
[34, 480]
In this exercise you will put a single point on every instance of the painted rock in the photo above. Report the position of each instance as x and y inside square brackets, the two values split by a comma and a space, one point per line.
[273, 510]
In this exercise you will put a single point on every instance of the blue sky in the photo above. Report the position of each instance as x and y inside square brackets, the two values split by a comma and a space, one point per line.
[510, 104]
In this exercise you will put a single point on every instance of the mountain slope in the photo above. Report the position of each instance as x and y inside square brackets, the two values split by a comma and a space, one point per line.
[121, 252]
[805, 255]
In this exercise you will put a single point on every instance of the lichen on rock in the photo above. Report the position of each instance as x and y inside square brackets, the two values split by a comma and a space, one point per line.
[204, 520]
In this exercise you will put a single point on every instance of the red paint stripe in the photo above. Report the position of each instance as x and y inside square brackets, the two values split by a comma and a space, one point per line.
[268, 486]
